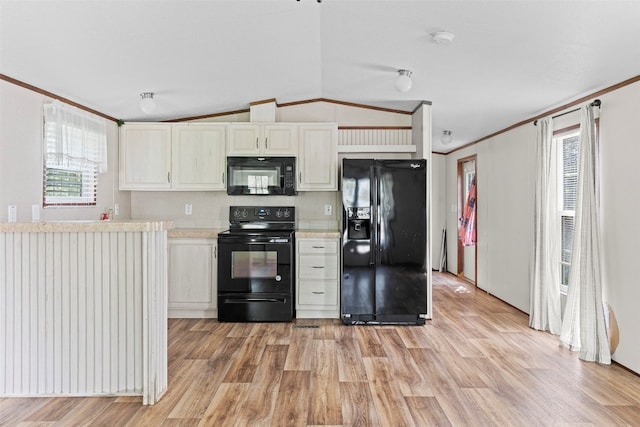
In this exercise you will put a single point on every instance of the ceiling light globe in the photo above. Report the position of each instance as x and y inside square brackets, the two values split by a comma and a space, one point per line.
[443, 37]
[403, 82]
[147, 104]
[446, 137]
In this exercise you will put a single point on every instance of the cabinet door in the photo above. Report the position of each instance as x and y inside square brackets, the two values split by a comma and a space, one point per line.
[318, 158]
[192, 270]
[199, 161]
[244, 140]
[145, 157]
[280, 140]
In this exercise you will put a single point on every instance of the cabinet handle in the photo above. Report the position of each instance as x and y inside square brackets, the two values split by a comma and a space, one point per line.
[256, 143]
[317, 293]
[300, 177]
[266, 142]
[215, 252]
[318, 266]
[317, 247]
[169, 177]
[223, 177]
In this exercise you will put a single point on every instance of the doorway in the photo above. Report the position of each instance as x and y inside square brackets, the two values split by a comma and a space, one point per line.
[467, 221]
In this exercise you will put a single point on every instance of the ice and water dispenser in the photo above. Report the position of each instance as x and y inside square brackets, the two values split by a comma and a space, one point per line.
[358, 223]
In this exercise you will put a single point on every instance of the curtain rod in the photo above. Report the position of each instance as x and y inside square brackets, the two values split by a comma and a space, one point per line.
[595, 103]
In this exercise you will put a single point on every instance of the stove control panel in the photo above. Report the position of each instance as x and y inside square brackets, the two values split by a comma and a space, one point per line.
[262, 213]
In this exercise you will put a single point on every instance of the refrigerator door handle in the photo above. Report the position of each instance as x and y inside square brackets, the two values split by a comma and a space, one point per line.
[377, 214]
[373, 216]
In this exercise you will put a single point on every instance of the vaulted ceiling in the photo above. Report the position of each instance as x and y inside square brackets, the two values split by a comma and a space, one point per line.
[509, 60]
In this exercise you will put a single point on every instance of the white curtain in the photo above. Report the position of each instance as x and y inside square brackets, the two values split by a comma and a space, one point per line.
[544, 310]
[584, 325]
[74, 136]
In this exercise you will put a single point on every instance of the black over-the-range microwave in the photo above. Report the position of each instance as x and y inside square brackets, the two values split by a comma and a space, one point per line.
[261, 176]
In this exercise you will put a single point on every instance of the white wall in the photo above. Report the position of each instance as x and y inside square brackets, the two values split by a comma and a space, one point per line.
[505, 214]
[345, 115]
[21, 161]
[211, 208]
[620, 201]
[506, 177]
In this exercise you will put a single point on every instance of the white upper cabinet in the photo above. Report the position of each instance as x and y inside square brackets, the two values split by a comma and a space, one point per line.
[159, 156]
[192, 157]
[198, 160]
[145, 156]
[318, 157]
[273, 139]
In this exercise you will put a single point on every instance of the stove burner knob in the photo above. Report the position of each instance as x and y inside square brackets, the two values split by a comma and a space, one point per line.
[287, 213]
[244, 213]
[279, 213]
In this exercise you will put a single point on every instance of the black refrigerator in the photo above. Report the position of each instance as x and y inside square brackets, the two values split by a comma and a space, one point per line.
[384, 242]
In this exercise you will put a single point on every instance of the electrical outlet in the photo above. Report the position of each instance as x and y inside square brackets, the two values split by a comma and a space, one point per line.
[188, 209]
[35, 213]
[328, 209]
[13, 213]
[116, 209]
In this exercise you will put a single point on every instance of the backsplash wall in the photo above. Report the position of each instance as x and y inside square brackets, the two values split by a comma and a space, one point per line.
[210, 209]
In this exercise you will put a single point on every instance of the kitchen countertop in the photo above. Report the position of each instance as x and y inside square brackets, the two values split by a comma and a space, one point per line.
[318, 234]
[195, 233]
[84, 226]
[212, 233]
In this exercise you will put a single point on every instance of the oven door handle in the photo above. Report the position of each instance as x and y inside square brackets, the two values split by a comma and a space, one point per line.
[246, 300]
[255, 240]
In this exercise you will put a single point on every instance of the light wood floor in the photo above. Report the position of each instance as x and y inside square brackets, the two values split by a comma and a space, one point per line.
[475, 364]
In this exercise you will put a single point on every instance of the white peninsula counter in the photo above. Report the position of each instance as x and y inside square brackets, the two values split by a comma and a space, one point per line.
[83, 308]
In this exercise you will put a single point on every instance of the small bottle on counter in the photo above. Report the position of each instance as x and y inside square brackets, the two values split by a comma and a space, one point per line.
[106, 215]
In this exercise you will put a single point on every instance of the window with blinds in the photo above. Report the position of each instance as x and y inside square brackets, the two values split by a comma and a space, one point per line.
[568, 146]
[74, 155]
[70, 186]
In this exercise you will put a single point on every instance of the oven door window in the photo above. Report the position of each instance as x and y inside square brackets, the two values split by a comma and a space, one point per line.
[252, 265]
[244, 267]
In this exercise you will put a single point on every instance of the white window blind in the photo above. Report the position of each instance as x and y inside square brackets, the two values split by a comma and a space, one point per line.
[75, 152]
[568, 146]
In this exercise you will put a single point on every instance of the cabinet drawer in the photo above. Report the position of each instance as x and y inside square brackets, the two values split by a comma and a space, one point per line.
[318, 246]
[318, 293]
[318, 267]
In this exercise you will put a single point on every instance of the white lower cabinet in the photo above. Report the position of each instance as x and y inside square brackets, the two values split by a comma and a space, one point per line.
[192, 278]
[317, 272]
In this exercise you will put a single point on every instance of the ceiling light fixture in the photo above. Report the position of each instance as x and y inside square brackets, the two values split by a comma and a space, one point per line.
[446, 137]
[147, 103]
[442, 37]
[403, 82]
